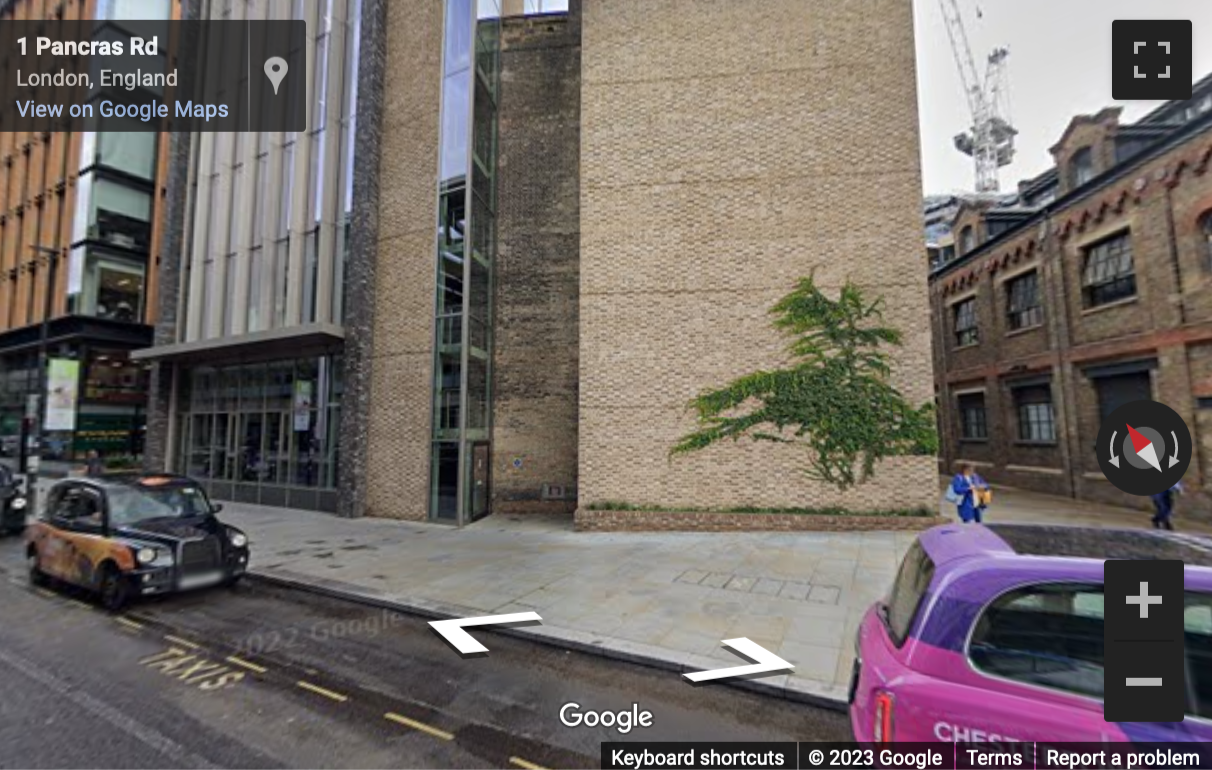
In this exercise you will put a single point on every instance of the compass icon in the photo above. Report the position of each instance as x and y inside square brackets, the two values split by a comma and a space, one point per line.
[1144, 447]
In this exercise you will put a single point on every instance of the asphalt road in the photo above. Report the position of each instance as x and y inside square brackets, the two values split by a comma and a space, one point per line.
[263, 676]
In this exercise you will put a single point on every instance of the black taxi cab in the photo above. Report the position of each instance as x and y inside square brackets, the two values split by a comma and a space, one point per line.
[129, 535]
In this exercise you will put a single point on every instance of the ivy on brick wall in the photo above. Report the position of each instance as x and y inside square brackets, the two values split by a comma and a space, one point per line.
[835, 398]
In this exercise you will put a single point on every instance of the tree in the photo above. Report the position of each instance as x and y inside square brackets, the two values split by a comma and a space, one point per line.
[835, 398]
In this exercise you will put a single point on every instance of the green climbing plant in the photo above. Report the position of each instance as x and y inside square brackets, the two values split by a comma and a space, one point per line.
[834, 398]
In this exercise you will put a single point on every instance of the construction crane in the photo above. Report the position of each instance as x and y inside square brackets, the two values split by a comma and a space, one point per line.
[990, 141]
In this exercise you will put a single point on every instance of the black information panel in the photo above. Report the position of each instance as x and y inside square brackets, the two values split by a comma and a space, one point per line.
[1144, 676]
[86, 75]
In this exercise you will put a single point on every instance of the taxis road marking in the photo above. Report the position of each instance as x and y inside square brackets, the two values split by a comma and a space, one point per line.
[129, 623]
[246, 664]
[180, 641]
[45, 594]
[318, 690]
[80, 604]
[518, 761]
[414, 724]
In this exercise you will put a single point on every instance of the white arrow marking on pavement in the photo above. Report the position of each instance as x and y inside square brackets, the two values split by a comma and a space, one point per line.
[1174, 457]
[1114, 459]
[452, 630]
[766, 661]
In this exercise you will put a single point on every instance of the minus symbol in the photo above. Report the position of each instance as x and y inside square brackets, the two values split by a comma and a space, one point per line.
[1144, 681]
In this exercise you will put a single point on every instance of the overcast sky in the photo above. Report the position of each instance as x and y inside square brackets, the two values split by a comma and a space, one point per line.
[1059, 66]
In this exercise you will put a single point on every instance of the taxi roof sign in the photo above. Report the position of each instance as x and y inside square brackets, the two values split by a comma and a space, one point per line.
[156, 481]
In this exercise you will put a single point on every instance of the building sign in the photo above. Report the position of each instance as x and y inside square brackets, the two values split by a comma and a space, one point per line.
[107, 433]
[63, 383]
[302, 405]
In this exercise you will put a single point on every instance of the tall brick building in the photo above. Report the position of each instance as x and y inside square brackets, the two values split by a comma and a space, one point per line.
[80, 222]
[1093, 287]
[619, 190]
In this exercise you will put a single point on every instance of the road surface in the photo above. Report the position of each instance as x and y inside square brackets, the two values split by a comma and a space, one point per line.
[263, 676]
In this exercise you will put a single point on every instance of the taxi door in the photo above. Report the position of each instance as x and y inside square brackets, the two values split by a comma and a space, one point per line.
[75, 542]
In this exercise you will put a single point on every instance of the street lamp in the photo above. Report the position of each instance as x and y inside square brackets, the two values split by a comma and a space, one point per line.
[51, 256]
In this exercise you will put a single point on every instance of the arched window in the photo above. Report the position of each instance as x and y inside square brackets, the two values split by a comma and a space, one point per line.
[1205, 229]
[967, 240]
[1081, 167]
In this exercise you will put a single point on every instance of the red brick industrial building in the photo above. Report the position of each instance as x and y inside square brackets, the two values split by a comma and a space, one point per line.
[1091, 288]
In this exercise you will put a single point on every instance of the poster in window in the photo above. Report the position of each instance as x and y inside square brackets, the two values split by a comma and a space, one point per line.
[302, 405]
[63, 382]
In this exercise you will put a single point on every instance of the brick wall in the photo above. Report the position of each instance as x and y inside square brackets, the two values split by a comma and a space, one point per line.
[730, 148]
[696, 521]
[535, 374]
[400, 369]
[1159, 201]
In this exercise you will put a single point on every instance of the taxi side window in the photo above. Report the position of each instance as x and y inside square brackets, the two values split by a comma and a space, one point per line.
[912, 580]
[1047, 635]
[77, 508]
[1197, 622]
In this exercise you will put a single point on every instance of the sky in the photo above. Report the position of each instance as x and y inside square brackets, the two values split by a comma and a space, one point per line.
[1059, 66]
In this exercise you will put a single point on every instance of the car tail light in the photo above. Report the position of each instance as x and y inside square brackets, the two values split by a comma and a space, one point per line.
[881, 731]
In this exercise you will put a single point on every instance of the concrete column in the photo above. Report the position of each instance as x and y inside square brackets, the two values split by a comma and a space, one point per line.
[201, 238]
[332, 164]
[302, 192]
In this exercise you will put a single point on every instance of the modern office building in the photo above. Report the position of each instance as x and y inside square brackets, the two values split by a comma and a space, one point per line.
[1091, 288]
[555, 224]
[80, 220]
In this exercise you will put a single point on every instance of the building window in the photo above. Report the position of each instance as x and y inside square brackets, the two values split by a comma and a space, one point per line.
[1081, 167]
[1109, 274]
[965, 323]
[1023, 304]
[1117, 390]
[1036, 418]
[1205, 228]
[973, 426]
[967, 240]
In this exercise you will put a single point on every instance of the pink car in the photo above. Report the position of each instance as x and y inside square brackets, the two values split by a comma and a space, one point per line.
[995, 633]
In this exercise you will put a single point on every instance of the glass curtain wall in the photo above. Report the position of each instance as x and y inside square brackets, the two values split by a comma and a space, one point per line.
[466, 246]
[264, 433]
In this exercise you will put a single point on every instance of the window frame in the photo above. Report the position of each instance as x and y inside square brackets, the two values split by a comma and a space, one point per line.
[1205, 232]
[963, 421]
[1081, 166]
[967, 239]
[1028, 317]
[1092, 296]
[1019, 415]
[969, 335]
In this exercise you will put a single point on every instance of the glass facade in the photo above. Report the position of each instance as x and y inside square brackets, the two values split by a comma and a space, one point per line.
[466, 247]
[263, 433]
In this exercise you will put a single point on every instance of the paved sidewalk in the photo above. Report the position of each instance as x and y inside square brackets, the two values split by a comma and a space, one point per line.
[661, 598]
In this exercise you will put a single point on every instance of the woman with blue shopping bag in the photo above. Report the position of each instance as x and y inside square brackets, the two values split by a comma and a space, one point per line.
[969, 493]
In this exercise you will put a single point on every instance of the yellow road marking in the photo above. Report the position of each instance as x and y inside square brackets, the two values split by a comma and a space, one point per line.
[80, 604]
[414, 724]
[338, 697]
[246, 664]
[44, 593]
[523, 763]
[180, 641]
[129, 623]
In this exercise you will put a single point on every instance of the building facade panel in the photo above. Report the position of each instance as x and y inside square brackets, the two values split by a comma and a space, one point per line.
[646, 349]
[536, 354]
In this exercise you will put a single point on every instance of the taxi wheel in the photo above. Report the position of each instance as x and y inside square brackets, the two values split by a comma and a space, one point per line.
[114, 589]
[36, 575]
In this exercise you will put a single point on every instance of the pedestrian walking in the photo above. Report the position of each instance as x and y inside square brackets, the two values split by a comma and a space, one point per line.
[970, 494]
[92, 463]
[1163, 507]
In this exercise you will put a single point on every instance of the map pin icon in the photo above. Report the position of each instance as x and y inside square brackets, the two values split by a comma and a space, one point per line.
[275, 70]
